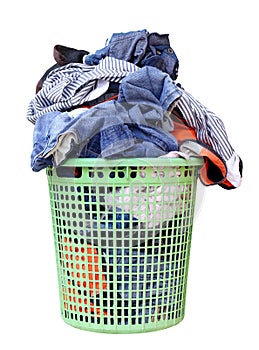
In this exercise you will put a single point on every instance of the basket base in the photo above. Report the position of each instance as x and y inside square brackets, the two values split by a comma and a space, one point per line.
[123, 329]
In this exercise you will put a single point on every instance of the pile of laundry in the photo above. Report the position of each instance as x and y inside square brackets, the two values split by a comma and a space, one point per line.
[122, 101]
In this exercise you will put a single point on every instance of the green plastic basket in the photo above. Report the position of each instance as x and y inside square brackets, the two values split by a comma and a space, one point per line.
[122, 231]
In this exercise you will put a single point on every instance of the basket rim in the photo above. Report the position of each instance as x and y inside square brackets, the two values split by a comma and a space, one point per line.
[161, 161]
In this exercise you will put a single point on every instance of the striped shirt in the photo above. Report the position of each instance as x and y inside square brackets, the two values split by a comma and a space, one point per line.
[71, 85]
[209, 128]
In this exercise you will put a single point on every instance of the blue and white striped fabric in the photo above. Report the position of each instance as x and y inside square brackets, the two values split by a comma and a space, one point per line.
[209, 128]
[71, 85]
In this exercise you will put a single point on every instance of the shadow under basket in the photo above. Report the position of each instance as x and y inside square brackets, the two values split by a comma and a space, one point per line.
[122, 232]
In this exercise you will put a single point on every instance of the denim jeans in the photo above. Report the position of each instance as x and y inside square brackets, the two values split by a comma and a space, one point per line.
[151, 85]
[130, 46]
[141, 48]
[102, 131]
[160, 55]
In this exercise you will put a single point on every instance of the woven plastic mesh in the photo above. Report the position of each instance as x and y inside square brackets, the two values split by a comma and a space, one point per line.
[122, 234]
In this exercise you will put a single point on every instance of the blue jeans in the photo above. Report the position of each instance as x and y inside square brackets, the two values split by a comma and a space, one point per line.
[149, 85]
[101, 131]
[142, 49]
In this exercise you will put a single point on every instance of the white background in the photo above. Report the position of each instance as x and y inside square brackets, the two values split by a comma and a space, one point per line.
[217, 45]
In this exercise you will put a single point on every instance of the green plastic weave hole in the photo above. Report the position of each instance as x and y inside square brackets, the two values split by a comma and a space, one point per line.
[122, 232]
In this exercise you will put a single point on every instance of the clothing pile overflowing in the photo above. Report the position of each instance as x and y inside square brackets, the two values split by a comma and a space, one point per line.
[123, 101]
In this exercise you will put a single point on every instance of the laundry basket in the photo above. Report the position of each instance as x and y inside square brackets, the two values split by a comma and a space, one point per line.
[122, 232]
